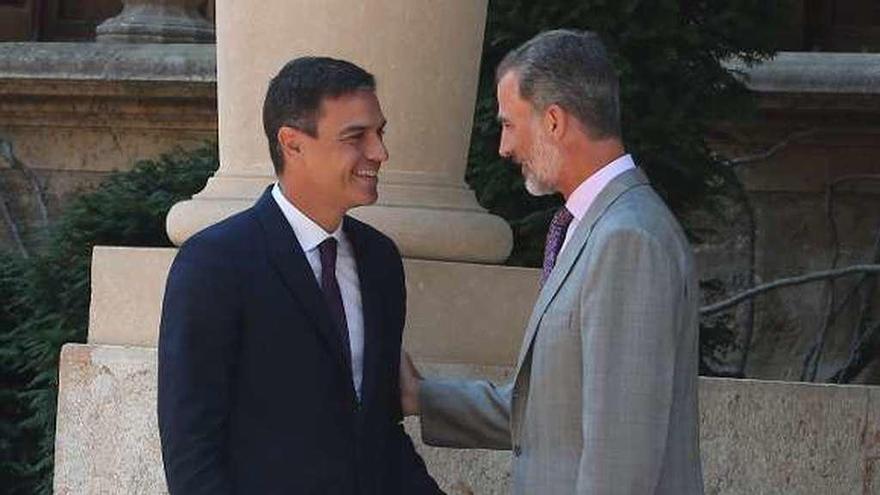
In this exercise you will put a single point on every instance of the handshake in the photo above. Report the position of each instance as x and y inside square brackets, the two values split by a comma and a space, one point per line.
[410, 385]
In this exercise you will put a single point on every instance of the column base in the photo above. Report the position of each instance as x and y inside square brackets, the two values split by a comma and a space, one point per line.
[444, 223]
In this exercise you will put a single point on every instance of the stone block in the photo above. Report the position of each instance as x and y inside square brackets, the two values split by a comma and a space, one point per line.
[760, 437]
[106, 437]
[757, 437]
[127, 289]
[454, 308]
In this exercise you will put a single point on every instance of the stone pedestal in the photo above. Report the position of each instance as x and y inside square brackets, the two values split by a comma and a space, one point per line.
[425, 56]
[757, 437]
[157, 21]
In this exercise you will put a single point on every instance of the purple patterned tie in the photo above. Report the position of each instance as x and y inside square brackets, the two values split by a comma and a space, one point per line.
[555, 237]
[332, 295]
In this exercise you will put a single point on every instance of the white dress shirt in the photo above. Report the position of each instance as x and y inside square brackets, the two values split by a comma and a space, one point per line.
[310, 235]
[582, 197]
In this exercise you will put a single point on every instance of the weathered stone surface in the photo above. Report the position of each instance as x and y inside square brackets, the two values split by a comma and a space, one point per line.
[443, 299]
[176, 63]
[763, 437]
[815, 72]
[157, 21]
[72, 112]
[467, 313]
[757, 437]
[106, 438]
[115, 299]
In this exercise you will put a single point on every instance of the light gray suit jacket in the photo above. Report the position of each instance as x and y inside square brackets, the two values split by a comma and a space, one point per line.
[604, 398]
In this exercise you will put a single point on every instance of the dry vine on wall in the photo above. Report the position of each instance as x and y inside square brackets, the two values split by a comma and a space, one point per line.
[13, 224]
[865, 337]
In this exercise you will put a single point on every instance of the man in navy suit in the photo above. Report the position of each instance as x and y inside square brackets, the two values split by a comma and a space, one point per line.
[279, 347]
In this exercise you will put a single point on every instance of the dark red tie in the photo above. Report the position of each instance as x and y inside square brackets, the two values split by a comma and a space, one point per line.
[555, 238]
[330, 288]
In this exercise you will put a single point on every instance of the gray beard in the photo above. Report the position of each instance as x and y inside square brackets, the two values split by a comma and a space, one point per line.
[537, 188]
[542, 184]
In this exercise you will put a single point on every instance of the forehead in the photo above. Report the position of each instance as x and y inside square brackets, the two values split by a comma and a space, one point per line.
[510, 104]
[359, 107]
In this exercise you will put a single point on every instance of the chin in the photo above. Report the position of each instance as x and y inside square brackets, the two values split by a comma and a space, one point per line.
[365, 199]
[538, 188]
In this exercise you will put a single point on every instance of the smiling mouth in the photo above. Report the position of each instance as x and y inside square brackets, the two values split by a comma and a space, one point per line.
[367, 174]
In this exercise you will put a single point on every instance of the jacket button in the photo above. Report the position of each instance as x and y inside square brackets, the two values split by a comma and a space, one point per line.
[517, 450]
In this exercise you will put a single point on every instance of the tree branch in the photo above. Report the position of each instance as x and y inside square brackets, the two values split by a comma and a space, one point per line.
[13, 226]
[776, 148]
[784, 282]
[7, 152]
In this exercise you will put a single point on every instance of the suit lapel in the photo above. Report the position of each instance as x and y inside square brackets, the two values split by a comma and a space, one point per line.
[369, 276]
[573, 250]
[288, 258]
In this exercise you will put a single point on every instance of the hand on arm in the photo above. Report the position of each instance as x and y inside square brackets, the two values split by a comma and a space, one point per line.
[410, 385]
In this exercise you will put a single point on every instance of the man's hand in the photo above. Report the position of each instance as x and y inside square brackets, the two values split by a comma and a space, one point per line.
[410, 384]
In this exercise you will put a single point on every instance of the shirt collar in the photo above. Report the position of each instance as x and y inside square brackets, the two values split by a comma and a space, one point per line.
[308, 233]
[583, 196]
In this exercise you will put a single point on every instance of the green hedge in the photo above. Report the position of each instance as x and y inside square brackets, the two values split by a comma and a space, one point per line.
[45, 299]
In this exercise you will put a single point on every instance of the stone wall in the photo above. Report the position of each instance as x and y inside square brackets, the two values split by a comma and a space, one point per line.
[757, 437]
[818, 126]
[74, 112]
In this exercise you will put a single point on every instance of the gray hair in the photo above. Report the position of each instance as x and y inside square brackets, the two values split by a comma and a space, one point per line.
[571, 69]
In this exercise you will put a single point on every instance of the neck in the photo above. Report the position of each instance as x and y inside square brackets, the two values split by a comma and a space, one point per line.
[311, 206]
[583, 159]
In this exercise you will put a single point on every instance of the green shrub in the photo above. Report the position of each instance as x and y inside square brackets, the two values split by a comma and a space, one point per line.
[45, 299]
[673, 86]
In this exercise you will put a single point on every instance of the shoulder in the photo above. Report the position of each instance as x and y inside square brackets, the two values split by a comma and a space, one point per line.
[639, 217]
[642, 211]
[368, 235]
[224, 240]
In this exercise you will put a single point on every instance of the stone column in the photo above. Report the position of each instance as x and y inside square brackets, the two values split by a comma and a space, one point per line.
[157, 21]
[425, 55]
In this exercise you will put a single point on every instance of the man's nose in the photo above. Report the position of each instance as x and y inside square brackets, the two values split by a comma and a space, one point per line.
[377, 151]
[504, 147]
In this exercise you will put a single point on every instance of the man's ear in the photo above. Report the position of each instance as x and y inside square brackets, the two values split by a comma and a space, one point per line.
[290, 141]
[555, 121]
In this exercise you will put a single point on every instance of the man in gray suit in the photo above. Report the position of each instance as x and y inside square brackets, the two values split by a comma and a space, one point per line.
[604, 396]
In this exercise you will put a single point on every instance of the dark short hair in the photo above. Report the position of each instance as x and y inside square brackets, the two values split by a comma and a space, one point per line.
[571, 69]
[294, 96]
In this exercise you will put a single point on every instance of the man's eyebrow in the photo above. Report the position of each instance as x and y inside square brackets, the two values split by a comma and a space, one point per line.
[356, 128]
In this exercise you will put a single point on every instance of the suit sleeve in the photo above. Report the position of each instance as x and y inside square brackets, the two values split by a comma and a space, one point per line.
[466, 414]
[630, 309]
[197, 345]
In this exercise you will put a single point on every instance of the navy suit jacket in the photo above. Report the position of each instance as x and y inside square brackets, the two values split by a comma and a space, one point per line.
[255, 394]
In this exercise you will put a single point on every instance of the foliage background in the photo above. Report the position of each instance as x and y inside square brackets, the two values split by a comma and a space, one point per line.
[44, 300]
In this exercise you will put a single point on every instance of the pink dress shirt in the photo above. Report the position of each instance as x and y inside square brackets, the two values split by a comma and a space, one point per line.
[583, 196]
